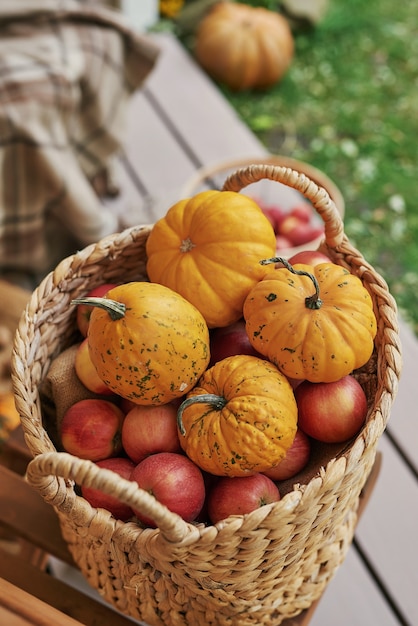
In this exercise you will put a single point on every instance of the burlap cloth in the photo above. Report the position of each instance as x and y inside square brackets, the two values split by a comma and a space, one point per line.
[67, 71]
[60, 389]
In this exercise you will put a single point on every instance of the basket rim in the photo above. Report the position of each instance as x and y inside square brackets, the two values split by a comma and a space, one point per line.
[220, 167]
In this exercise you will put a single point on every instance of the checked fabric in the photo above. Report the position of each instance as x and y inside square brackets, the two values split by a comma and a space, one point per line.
[67, 71]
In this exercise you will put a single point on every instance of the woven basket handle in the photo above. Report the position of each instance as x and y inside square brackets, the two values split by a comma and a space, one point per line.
[319, 197]
[48, 471]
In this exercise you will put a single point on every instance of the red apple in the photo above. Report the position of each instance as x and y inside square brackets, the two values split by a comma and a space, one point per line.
[86, 371]
[270, 216]
[283, 243]
[150, 429]
[126, 405]
[229, 341]
[289, 223]
[295, 460]
[91, 429]
[122, 466]
[298, 231]
[331, 412]
[84, 311]
[275, 214]
[210, 480]
[175, 481]
[302, 211]
[240, 495]
[309, 257]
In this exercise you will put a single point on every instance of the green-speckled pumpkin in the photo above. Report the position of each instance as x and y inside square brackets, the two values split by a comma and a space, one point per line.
[240, 419]
[147, 342]
[314, 323]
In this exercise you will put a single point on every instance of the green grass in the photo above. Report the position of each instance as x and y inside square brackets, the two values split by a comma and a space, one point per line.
[349, 106]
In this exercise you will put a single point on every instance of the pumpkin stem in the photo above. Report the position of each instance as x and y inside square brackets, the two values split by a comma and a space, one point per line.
[116, 310]
[311, 302]
[215, 402]
[187, 245]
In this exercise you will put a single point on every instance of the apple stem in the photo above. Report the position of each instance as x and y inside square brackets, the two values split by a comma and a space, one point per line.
[216, 403]
[116, 310]
[312, 302]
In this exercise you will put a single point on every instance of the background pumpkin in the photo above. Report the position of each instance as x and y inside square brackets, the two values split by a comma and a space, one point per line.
[208, 248]
[240, 419]
[244, 47]
[318, 343]
[154, 351]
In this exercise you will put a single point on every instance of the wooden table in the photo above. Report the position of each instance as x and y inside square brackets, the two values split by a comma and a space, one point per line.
[178, 123]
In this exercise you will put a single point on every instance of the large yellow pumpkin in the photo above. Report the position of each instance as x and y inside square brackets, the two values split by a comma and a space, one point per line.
[240, 419]
[208, 248]
[244, 47]
[314, 323]
[147, 343]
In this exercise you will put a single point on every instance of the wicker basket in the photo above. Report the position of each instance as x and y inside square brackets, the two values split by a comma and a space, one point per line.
[255, 569]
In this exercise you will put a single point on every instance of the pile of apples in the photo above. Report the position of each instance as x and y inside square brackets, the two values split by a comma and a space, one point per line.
[141, 443]
[293, 227]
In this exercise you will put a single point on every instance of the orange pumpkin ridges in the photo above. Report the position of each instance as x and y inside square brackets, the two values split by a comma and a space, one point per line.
[240, 419]
[244, 47]
[208, 248]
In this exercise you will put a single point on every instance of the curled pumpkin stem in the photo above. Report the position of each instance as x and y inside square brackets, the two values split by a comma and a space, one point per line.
[116, 310]
[215, 402]
[312, 302]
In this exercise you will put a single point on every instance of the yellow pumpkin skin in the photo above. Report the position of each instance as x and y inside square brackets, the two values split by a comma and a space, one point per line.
[208, 248]
[244, 47]
[319, 345]
[157, 351]
[252, 427]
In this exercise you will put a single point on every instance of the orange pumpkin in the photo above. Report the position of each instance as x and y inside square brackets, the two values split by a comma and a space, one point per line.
[315, 323]
[244, 47]
[208, 248]
[9, 416]
[240, 419]
[147, 343]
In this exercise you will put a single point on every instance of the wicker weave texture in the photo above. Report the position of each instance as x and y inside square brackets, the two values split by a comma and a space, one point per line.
[255, 569]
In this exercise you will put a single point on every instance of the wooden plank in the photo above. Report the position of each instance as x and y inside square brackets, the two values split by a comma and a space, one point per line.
[42, 600]
[14, 452]
[199, 112]
[41, 527]
[18, 608]
[131, 203]
[353, 599]
[171, 135]
[171, 131]
[16, 299]
[403, 421]
[164, 170]
[387, 533]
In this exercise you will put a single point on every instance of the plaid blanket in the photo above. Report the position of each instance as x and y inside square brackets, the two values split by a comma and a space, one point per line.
[66, 73]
